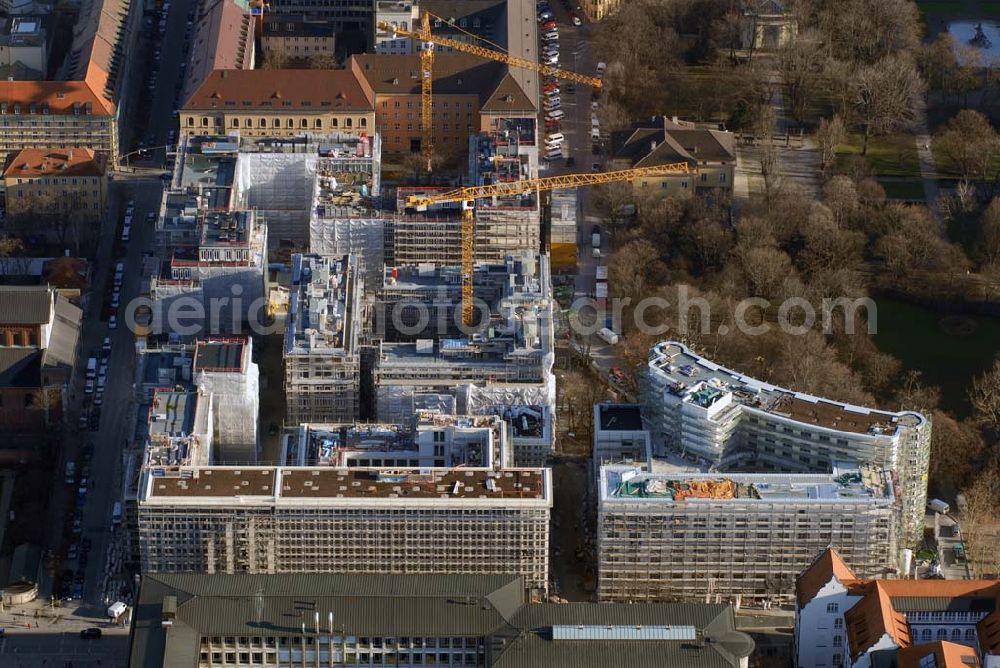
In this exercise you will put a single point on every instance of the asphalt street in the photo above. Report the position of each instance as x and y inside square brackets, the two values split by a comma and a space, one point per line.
[117, 412]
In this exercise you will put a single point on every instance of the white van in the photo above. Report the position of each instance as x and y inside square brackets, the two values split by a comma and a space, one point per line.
[555, 114]
[555, 137]
[554, 155]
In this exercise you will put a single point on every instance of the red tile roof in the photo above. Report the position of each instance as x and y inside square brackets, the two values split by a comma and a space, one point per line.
[35, 162]
[313, 90]
[827, 566]
[873, 617]
[947, 655]
[59, 97]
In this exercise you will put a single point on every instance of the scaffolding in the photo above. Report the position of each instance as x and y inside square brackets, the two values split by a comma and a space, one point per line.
[685, 536]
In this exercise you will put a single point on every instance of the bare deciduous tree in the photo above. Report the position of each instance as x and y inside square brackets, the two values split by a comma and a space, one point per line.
[984, 394]
[829, 135]
[971, 145]
[884, 93]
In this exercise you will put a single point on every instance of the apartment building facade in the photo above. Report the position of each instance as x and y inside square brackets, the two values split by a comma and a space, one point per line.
[469, 93]
[346, 520]
[322, 340]
[732, 421]
[709, 154]
[56, 183]
[666, 536]
[83, 110]
[280, 103]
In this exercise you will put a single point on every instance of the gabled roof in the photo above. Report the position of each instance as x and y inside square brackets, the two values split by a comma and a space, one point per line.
[20, 367]
[223, 40]
[988, 632]
[827, 566]
[491, 607]
[873, 617]
[25, 305]
[946, 655]
[454, 74]
[36, 162]
[663, 141]
[508, 97]
[59, 97]
[718, 642]
[282, 91]
[96, 33]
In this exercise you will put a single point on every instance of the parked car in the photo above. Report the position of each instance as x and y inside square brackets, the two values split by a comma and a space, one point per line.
[113, 322]
[92, 633]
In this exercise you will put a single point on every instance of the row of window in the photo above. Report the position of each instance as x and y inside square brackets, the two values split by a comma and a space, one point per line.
[276, 123]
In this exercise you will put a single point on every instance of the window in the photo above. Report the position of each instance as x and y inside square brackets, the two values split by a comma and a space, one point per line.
[832, 607]
[290, 123]
[190, 121]
[942, 634]
[364, 122]
[838, 641]
[928, 661]
[236, 123]
[970, 635]
[249, 123]
[318, 124]
[349, 122]
[925, 635]
[262, 123]
[204, 121]
[956, 635]
[838, 623]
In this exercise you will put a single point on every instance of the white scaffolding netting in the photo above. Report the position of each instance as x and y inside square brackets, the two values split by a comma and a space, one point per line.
[235, 401]
[280, 187]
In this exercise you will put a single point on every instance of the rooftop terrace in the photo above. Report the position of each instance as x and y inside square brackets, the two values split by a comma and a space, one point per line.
[321, 309]
[298, 483]
[702, 382]
[866, 483]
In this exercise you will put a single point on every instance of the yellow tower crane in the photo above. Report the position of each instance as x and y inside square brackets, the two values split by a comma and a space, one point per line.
[468, 196]
[428, 42]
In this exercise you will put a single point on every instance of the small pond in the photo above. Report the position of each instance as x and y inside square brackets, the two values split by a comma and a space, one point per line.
[987, 42]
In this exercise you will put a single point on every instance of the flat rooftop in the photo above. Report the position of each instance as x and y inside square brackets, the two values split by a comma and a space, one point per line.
[219, 354]
[229, 228]
[619, 417]
[866, 483]
[703, 382]
[172, 413]
[321, 305]
[332, 483]
[208, 165]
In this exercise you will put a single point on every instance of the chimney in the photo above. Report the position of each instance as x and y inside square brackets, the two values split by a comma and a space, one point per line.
[674, 120]
[169, 610]
[652, 146]
[69, 156]
[224, 74]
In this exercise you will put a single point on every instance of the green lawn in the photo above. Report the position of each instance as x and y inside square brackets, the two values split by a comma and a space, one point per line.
[910, 191]
[893, 155]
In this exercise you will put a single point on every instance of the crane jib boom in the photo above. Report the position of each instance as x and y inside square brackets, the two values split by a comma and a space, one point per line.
[490, 54]
[543, 184]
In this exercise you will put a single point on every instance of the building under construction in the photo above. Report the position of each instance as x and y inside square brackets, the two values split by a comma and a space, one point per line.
[502, 368]
[730, 421]
[258, 520]
[431, 439]
[683, 536]
[322, 356]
